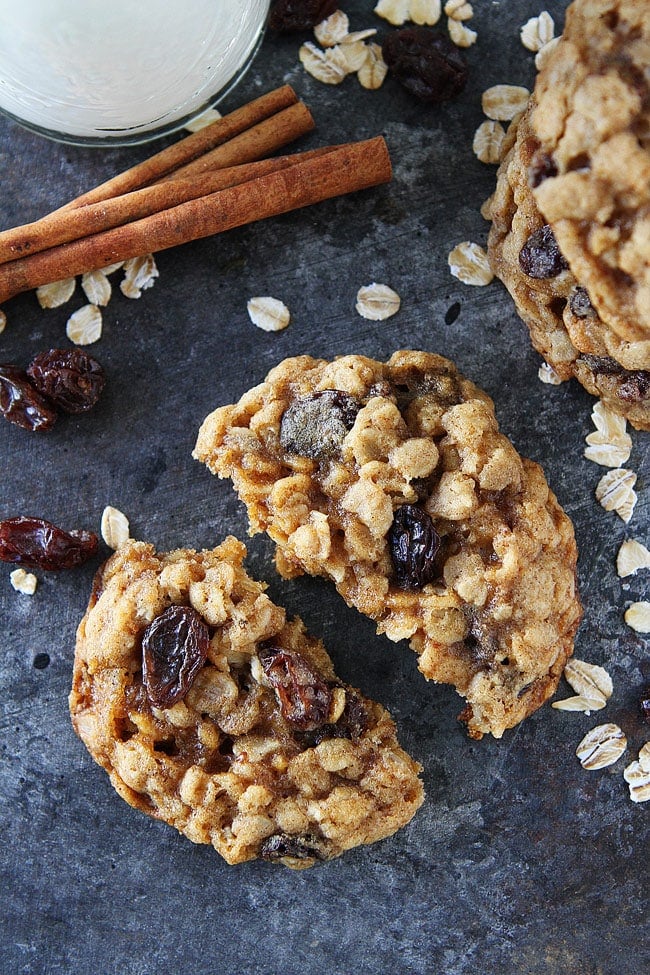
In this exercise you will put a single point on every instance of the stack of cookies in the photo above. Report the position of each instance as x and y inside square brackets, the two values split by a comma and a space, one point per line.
[570, 233]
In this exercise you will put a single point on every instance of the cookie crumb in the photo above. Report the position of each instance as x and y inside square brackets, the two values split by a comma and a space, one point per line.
[269, 314]
[24, 582]
[461, 35]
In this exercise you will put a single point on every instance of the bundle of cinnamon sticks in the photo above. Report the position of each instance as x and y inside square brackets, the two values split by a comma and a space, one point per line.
[211, 181]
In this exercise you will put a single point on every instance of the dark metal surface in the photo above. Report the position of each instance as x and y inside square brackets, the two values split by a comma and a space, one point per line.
[519, 861]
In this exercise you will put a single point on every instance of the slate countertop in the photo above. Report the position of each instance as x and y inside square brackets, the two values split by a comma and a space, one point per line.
[519, 861]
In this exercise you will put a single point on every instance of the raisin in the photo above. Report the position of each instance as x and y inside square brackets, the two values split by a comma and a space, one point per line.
[580, 303]
[644, 704]
[304, 697]
[426, 63]
[413, 543]
[540, 257]
[41, 545]
[297, 847]
[542, 166]
[602, 365]
[71, 378]
[316, 425]
[21, 403]
[351, 725]
[635, 386]
[174, 648]
[292, 15]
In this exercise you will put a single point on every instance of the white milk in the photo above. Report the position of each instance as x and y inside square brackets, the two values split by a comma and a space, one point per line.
[118, 69]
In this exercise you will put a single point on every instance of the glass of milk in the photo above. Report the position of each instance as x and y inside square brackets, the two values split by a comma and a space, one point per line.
[111, 72]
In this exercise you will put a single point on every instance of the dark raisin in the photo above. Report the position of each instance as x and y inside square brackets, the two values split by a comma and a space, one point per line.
[282, 845]
[21, 403]
[41, 545]
[351, 725]
[602, 365]
[70, 378]
[316, 425]
[644, 704]
[542, 166]
[290, 15]
[304, 697]
[426, 63]
[174, 648]
[634, 386]
[580, 303]
[540, 257]
[413, 543]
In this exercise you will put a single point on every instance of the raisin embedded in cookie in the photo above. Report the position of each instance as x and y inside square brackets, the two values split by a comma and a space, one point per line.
[211, 711]
[570, 233]
[392, 480]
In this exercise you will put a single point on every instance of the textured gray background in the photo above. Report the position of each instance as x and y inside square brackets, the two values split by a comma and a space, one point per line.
[519, 861]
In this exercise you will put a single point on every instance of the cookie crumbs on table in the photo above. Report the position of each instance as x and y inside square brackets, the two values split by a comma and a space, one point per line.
[23, 582]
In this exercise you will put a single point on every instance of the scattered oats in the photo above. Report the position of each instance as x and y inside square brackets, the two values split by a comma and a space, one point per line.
[610, 445]
[112, 268]
[589, 681]
[488, 141]
[396, 12]
[24, 582]
[85, 325]
[578, 703]
[637, 776]
[637, 617]
[56, 294]
[469, 263]
[269, 314]
[537, 31]
[615, 491]
[203, 120]
[377, 302]
[139, 274]
[333, 29]
[632, 556]
[359, 35]
[644, 757]
[543, 54]
[602, 746]
[461, 36]
[459, 10]
[503, 102]
[114, 527]
[96, 287]
[354, 55]
[548, 375]
[374, 69]
[3, 321]
[327, 66]
[424, 12]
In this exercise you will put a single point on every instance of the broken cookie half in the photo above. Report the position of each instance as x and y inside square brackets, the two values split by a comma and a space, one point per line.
[393, 480]
[211, 711]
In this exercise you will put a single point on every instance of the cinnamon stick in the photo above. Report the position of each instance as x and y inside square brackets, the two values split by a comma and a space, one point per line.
[191, 147]
[63, 226]
[346, 169]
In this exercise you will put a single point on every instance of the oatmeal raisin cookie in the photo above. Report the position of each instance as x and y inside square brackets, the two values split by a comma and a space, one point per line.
[570, 233]
[211, 711]
[393, 481]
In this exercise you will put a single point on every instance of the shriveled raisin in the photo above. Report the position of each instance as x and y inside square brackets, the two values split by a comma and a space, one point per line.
[21, 403]
[316, 425]
[351, 724]
[413, 543]
[282, 845]
[426, 63]
[542, 166]
[41, 545]
[174, 648]
[602, 365]
[304, 697]
[71, 378]
[634, 386]
[293, 15]
[540, 257]
[580, 303]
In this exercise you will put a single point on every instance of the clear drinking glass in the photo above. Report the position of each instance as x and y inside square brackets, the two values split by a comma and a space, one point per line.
[112, 72]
